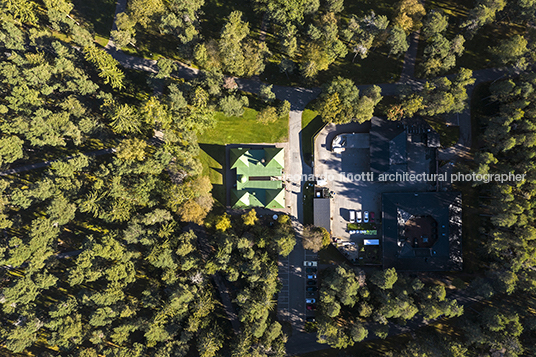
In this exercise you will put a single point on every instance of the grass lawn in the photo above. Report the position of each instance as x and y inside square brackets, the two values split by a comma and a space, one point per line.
[96, 14]
[234, 130]
[311, 124]
[448, 135]
[245, 129]
[212, 158]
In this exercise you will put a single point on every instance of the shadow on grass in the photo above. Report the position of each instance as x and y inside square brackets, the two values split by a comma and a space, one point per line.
[212, 158]
[307, 135]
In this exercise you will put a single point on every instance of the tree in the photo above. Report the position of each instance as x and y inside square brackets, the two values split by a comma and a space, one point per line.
[267, 115]
[10, 149]
[165, 68]
[266, 93]
[482, 14]
[384, 279]
[409, 14]
[361, 33]
[440, 54]
[312, 238]
[358, 332]
[233, 106]
[340, 102]
[231, 52]
[289, 42]
[250, 218]
[510, 50]
[283, 12]
[106, 65]
[223, 222]
[283, 110]
[145, 11]
[397, 41]
[435, 23]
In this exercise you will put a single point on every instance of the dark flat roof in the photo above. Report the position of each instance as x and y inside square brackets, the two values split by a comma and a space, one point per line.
[388, 141]
[445, 208]
[322, 213]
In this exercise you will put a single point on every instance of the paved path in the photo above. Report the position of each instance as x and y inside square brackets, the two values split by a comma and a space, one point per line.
[41, 165]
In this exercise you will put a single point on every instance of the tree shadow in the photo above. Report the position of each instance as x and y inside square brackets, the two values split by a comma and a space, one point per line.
[216, 153]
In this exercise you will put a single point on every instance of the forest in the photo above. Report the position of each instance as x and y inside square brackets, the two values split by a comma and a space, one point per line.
[112, 242]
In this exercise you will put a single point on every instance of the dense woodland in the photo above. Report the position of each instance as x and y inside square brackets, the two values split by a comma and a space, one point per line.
[116, 247]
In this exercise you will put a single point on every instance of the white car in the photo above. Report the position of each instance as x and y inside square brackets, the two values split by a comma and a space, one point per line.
[365, 217]
[310, 301]
[352, 216]
[358, 216]
[309, 264]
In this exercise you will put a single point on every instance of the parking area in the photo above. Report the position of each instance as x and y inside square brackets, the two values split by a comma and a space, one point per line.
[351, 192]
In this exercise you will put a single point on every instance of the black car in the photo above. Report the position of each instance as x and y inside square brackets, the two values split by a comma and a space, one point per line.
[311, 282]
[310, 319]
[310, 270]
[311, 288]
[311, 293]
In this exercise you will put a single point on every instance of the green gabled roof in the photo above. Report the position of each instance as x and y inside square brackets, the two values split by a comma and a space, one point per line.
[244, 182]
[275, 198]
[275, 157]
[238, 159]
[258, 162]
[247, 198]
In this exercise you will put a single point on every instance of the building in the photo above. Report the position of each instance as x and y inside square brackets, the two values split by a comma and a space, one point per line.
[422, 231]
[388, 144]
[258, 177]
[322, 213]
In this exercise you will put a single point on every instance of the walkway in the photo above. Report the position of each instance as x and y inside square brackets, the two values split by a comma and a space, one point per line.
[41, 165]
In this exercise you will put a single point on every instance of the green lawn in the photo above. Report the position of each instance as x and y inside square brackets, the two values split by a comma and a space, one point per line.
[311, 124]
[212, 158]
[245, 129]
[234, 130]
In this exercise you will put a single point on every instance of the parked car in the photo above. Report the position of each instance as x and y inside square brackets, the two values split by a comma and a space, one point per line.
[311, 276]
[372, 217]
[311, 293]
[352, 216]
[311, 307]
[310, 270]
[311, 288]
[359, 220]
[310, 301]
[365, 217]
[310, 319]
[311, 282]
[309, 264]
[352, 232]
